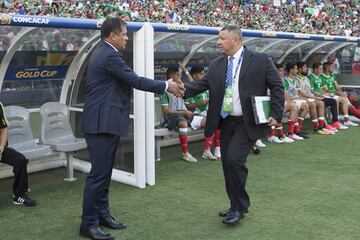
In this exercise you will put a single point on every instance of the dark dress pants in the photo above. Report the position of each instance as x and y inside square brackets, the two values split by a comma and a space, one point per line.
[102, 149]
[19, 164]
[235, 147]
[332, 103]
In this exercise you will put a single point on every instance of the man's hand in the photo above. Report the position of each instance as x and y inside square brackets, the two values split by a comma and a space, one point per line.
[177, 89]
[272, 121]
[188, 114]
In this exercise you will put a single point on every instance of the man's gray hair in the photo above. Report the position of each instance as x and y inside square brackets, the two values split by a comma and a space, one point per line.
[232, 28]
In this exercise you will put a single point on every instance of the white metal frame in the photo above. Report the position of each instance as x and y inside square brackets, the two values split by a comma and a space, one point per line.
[314, 50]
[149, 106]
[143, 152]
[335, 49]
[282, 58]
[19, 39]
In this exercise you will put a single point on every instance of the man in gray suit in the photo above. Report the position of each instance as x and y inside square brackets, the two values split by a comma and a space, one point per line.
[109, 81]
[231, 79]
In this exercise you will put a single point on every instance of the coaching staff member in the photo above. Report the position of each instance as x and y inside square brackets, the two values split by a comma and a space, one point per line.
[109, 81]
[231, 79]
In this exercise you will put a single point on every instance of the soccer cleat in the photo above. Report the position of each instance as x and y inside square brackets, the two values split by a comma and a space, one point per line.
[274, 139]
[286, 139]
[295, 137]
[336, 125]
[329, 131]
[351, 124]
[208, 155]
[24, 200]
[259, 143]
[330, 128]
[188, 157]
[217, 152]
[342, 127]
[256, 150]
[321, 132]
[354, 119]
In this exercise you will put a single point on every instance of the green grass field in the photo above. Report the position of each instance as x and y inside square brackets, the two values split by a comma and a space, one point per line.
[302, 191]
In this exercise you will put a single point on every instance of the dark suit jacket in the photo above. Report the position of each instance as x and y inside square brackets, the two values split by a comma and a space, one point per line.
[257, 74]
[109, 82]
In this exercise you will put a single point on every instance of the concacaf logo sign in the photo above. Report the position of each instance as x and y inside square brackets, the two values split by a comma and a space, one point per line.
[5, 19]
[99, 23]
[23, 19]
[177, 27]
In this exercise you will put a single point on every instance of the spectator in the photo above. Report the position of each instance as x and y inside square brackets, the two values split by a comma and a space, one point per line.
[18, 162]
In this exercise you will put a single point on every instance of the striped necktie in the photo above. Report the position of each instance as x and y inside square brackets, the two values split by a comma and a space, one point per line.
[228, 83]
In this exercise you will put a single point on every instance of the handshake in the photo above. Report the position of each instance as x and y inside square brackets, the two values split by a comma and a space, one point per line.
[176, 88]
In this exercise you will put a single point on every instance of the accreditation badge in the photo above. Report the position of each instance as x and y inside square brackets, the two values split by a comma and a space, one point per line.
[228, 100]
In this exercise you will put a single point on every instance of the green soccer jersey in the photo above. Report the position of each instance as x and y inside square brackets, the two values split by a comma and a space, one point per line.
[197, 99]
[286, 85]
[316, 83]
[329, 81]
[173, 102]
[290, 86]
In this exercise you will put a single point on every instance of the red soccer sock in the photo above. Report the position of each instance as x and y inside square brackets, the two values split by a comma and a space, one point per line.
[279, 129]
[354, 111]
[321, 121]
[291, 124]
[217, 138]
[300, 121]
[272, 133]
[297, 128]
[208, 142]
[315, 123]
[183, 140]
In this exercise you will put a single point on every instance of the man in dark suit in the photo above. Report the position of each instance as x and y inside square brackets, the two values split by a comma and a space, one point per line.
[231, 80]
[105, 119]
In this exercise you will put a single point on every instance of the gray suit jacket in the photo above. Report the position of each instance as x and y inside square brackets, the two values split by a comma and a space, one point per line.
[257, 74]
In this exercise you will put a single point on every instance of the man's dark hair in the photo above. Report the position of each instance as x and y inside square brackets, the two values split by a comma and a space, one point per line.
[300, 64]
[290, 66]
[111, 25]
[171, 71]
[196, 69]
[279, 65]
[232, 28]
[326, 66]
[316, 65]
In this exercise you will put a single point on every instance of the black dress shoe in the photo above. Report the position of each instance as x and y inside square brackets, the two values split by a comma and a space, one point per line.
[256, 150]
[233, 217]
[226, 212]
[110, 222]
[95, 233]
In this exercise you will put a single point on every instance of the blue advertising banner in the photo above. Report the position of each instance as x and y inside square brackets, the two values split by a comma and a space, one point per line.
[35, 73]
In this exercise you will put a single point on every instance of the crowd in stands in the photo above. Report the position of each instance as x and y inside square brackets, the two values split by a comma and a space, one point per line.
[340, 17]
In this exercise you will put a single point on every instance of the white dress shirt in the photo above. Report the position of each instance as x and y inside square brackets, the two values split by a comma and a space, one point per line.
[236, 109]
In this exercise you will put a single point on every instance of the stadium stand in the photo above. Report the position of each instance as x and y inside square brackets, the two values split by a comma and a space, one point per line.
[319, 17]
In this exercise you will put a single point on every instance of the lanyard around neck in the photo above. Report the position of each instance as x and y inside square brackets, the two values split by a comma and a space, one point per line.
[238, 64]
